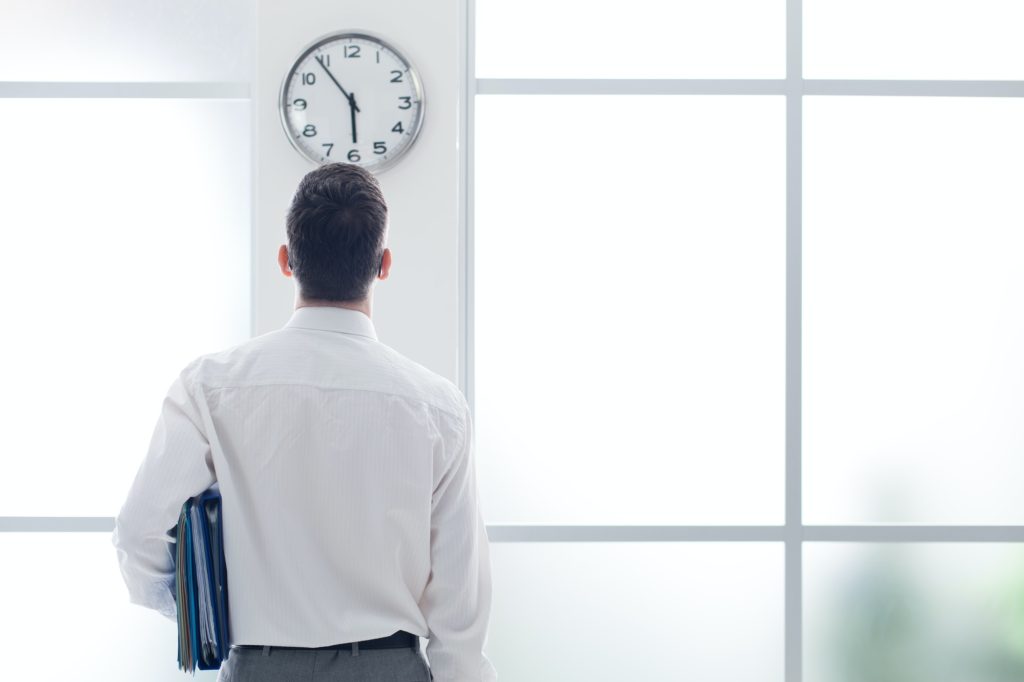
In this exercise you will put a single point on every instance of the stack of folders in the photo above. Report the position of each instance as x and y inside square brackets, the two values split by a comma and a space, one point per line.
[201, 592]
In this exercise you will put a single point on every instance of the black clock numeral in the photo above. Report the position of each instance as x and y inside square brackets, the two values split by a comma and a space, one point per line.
[309, 130]
[353, 155]
[351, 51]
[326, 60]
[380, 148]
[397, 128]
[329, 145]
[299, 104]
[397, 76]
[378, 56]
[308, 78]
[406, 103]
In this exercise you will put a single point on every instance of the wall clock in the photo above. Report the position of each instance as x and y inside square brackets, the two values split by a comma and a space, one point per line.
[352, 97]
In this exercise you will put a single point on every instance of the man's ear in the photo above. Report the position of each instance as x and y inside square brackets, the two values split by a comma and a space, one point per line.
[282, 260]
[385, 264]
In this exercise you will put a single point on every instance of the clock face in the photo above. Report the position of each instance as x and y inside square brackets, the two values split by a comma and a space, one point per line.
[351, 97]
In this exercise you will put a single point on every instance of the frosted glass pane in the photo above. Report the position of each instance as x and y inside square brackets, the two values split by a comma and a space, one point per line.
[644, 39]
[127, 40]
[913, 375]
[128, 242]
[914, 39]
[914, 613]
[66, 615]
[630, 308]
[608, 612]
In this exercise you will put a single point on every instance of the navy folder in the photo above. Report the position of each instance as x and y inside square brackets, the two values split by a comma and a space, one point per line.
[201, 590]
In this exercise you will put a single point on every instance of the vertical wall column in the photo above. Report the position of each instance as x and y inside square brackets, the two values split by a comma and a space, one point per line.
[416, 310]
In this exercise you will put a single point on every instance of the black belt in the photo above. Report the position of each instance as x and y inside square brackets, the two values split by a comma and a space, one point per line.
[398, 640]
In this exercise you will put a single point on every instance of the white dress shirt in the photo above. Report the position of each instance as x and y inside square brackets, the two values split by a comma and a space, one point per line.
[348, 490]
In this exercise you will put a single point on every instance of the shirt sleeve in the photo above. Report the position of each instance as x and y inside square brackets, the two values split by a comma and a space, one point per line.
[457, 600]
[178, 465]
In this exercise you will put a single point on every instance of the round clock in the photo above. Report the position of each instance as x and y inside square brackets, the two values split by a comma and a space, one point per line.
[354, 98]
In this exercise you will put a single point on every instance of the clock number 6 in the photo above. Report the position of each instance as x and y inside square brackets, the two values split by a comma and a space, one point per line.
[353, 155]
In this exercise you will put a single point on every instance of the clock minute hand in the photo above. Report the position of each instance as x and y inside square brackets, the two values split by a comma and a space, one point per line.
[351, 102]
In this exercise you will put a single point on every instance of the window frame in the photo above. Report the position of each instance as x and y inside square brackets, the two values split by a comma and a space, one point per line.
[794, 532]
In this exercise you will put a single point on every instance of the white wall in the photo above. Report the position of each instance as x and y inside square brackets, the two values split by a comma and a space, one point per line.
[416, 310]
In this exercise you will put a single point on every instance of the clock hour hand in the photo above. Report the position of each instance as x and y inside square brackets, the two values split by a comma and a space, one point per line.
[353, 108]
[351, 102]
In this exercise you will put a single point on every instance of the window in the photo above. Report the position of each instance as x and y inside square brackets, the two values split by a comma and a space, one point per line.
[739, 315]
[126, 170]
[672, 237]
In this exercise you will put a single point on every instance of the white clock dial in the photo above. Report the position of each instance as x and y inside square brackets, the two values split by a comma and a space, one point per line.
[351, 97]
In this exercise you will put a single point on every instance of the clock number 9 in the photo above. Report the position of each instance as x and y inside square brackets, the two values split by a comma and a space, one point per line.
[299, 104]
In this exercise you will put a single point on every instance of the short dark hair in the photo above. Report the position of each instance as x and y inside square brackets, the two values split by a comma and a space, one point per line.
[336, 227]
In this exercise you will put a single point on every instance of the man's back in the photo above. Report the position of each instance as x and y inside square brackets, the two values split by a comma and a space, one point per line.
[348, 489]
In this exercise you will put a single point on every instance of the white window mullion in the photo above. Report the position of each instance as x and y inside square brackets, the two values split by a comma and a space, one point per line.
[793, 637]
[106, 90]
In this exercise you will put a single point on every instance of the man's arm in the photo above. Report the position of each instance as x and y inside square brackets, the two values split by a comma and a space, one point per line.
[178, 466]
[457, 599]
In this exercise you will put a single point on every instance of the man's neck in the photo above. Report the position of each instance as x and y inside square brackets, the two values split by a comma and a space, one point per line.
[361, 306]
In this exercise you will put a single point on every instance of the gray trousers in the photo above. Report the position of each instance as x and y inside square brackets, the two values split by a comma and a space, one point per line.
[326, 665]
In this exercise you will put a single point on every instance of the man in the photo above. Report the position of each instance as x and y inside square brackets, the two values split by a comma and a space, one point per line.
[352, 525]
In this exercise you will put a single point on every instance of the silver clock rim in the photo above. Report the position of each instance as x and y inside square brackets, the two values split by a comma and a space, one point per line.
[366, 35]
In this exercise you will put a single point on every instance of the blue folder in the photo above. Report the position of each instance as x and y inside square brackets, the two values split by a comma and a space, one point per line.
[201, 589]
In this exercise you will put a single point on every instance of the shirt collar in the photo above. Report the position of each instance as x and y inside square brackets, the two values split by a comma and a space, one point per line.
[333, 319]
